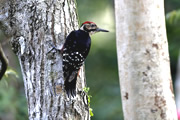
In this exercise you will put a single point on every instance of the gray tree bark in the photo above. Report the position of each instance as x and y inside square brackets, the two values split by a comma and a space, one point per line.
[144, 70]
[34, 25]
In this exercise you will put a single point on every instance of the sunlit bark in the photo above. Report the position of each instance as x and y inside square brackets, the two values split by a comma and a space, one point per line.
[143, 58]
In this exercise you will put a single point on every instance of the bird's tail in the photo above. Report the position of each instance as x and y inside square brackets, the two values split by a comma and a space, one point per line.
[70, 87]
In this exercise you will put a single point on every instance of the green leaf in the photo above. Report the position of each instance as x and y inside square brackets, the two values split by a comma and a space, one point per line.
[86, 89]
[91, 112]
[10, 71]
[173, 17]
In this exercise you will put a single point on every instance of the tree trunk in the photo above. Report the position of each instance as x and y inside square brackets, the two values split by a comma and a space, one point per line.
[34, 25]
[144, 70]
[177, 86]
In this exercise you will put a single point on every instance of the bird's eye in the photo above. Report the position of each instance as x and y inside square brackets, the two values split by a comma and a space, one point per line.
[93, 25]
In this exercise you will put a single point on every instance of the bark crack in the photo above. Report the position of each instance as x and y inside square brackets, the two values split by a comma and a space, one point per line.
[65, 26]
[42, 78]
[53, 24]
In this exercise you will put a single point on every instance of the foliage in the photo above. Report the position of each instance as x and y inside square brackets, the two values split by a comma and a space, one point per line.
[173, 31]
[173, 18]
[86, 90]
[9, 72]
[12, 99]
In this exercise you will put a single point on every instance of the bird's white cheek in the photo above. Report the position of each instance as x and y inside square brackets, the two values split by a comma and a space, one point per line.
[92, 32]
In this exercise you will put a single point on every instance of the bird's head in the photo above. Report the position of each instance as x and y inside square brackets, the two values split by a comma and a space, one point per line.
[91, 28]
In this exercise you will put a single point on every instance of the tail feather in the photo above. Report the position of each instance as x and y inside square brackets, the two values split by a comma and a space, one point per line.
[70, 87]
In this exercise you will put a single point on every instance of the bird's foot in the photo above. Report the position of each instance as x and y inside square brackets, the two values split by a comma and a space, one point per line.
[55, 48]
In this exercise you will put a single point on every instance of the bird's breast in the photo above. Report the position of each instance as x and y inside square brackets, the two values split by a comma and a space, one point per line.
[83, 40]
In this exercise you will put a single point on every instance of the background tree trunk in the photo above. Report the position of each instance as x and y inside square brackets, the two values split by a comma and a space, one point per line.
[34, 25]
[144, 70]
[177, 86]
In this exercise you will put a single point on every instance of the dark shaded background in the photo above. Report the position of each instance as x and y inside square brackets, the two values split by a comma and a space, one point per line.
[101, 64]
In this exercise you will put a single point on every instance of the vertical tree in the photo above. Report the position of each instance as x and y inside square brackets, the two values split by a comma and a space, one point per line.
[34, 25]
[144, 71]
[177, 85]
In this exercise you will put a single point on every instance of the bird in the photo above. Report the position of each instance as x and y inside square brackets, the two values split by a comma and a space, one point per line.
[74, 52]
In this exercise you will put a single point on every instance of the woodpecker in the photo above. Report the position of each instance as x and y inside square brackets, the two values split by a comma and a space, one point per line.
[75, 51]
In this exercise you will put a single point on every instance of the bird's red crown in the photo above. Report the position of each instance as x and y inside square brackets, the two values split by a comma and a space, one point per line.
[86, 22]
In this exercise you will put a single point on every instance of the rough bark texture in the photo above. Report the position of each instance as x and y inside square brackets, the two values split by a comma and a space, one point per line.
[33, 25]
[143, 59]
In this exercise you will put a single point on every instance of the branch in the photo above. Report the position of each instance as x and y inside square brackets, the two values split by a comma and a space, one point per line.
[4, 62]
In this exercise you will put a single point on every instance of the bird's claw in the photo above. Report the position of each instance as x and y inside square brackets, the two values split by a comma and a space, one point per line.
[55, 48]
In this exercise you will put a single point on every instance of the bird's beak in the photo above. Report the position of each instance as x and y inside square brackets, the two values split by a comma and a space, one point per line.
[101, 30]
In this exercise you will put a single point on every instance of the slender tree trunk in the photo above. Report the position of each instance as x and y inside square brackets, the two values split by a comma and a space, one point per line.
[177, 85]
[144, 70]
[34, 25]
